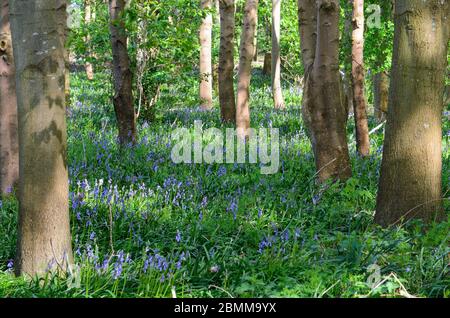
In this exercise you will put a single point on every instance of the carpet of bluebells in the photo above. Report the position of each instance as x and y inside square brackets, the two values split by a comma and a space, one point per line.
[143, 226]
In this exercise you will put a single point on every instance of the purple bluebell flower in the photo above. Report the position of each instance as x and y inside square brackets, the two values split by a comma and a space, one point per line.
[222, 171]
[233, 207]
[260, 213]
[204, 202]
[178, 237]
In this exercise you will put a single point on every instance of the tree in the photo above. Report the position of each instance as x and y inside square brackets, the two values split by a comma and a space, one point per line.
[205, 57]
[324, 112]
[380, 95]
[410, 185]
[276, 59]
[9, 146]
[44, 241]
[247, 49]
[87, 20]
[359, 99]
[226, 61]
[123, 97]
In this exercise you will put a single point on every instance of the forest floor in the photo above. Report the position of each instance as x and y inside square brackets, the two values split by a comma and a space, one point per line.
[143, 226]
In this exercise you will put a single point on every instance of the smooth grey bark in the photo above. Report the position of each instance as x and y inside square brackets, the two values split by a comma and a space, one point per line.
[38, 33]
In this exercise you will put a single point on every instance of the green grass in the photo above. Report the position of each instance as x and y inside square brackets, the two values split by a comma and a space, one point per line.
[145, 227]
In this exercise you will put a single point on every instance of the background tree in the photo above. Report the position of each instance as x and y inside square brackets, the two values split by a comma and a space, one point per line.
[276, 59]
[411, 171]
[380, 95]
[123, 96]
[44, 240]
[87, 20]
[226, 61]
[9, 146]
[324, 112]
[206, 57]
[247, 50]
[359, 99]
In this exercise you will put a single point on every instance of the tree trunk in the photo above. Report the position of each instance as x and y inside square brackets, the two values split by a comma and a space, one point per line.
[323, 110]
[411, 171]
[9, 146]
[205, 58]
[226, 61]
[247, 50]
[346, 75]
[380, 95]
[276, 59]
[255, 40]
[359, 100]
[267, 67]
[123, 97]
[87, 20]
[217, 15]
[44, 241]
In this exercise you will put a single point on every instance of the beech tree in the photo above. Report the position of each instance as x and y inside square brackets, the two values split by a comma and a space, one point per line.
[380, 95]
[410, 185]
[9, 146]
[205, 57]
[44, 241]
[226, 61]
[276, 59]
[323, 111]
[123, 97]
[359, 99]
[87, 19]
[247, 49]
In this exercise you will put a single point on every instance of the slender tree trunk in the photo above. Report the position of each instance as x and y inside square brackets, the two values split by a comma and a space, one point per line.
[44, 241]
[276, 59]
[205, 58]
[347, 74]
[142, 57]
[226, 61]
[217, 15]
[255, 40]
[359, 100]
[267, 67]
[323, 110]
[9, 145]
[247, 50]
[380, 95]
[411, 172]
[87, 20]
[123, 98]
